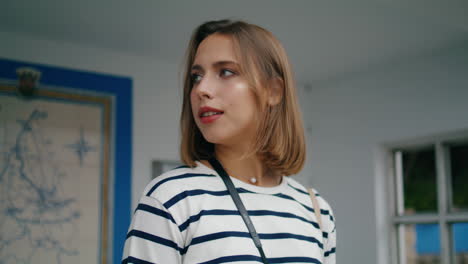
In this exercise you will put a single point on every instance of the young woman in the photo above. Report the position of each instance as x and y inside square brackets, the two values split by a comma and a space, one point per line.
[240, 113]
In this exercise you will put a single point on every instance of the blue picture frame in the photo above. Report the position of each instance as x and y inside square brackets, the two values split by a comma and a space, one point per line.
[121, 89]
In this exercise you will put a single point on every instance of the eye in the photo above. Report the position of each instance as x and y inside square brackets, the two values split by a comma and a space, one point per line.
[227, 73]
[195, 77]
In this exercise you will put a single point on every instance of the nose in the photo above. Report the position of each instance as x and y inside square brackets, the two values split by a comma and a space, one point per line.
[205, 88]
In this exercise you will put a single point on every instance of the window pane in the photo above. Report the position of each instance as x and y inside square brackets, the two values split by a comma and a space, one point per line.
[460, 242]
[421, 243]
[459, 172]
[419, 181]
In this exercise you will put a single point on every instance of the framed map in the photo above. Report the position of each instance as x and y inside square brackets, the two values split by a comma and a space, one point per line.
[61, 193]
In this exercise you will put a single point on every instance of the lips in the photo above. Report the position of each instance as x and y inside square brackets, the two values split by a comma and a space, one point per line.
[209, 114]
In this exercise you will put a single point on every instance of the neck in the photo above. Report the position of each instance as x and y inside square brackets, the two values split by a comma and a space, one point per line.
[246, 168]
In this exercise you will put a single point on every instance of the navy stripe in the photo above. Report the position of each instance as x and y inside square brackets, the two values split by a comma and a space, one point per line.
[325, 212]
[185, 194]
[219, 235]
[332, 251]
[293, 236]
[322, 211]
[135, 261]
[197, 217]
[153, 238]
[238, 258]
[214, 236]
[183, 176]
[280, 195]
[196, 192]
[156, 211]
[282, 214]
[294, 260]
[297, 189]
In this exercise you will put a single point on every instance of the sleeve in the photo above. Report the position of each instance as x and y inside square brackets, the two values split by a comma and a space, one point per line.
[153, 236]
[330, 242]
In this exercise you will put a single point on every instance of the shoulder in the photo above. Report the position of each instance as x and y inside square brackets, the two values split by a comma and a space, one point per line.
[298, 187]
[179, 180]
[325, 209]
[328, 217]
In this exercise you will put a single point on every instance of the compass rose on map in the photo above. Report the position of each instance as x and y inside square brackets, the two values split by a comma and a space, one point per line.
[81, 147]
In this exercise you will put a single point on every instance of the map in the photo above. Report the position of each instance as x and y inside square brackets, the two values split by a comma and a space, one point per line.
[51, 156]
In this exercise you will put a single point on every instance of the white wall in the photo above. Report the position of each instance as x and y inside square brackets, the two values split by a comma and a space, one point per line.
[156, 97]
[351, 117]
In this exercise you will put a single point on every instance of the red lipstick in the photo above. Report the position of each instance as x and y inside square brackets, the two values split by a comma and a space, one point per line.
[209, 114]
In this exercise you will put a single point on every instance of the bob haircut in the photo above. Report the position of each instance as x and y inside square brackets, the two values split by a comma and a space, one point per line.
[280, 142]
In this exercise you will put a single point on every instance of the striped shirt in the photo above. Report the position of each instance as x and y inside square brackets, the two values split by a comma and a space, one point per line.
[187, 216]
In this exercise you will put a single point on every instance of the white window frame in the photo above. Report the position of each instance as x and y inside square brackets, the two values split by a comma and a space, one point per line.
[386, 183]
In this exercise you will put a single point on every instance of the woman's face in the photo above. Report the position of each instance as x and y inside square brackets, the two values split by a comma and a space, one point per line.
[223, 104]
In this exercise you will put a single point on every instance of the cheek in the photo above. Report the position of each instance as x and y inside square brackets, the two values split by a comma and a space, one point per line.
[192, 95]
[243, 97]
[193, 101]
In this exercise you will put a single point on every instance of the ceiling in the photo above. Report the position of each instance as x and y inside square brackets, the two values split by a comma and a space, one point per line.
[324, 39]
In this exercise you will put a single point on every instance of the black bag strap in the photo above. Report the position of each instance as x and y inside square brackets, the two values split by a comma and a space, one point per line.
[240, 206]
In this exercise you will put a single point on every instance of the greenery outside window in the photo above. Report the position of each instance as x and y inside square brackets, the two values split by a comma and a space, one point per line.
[429, 197]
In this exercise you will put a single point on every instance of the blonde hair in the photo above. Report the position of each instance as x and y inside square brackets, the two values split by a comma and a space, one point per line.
[280, 139]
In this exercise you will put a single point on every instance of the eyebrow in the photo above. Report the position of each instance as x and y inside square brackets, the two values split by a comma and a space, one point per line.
[215, 65]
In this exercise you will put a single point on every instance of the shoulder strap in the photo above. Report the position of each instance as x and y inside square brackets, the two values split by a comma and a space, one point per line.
[240, 206]
[316, 207]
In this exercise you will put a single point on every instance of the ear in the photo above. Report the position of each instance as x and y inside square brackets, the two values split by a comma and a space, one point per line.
[275, 91]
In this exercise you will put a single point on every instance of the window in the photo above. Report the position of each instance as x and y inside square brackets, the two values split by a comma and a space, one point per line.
[429, 197]
[158, 167]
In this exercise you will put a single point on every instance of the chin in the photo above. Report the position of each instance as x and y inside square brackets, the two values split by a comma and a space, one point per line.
[213, 139]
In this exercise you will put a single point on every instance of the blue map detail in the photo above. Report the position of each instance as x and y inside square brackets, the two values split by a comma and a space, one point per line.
[81, 147]
[38, 219]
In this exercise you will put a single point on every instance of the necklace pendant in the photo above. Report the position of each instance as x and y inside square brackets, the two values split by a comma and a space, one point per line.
[253, 180]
